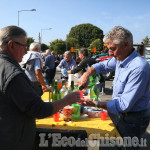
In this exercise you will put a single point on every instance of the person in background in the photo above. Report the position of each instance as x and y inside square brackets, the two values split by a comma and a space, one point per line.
[66, 64]
[56, 60]
[50, 67]
[129, 108]
[84, 64]
[61, 57]
[20, 105]
[32, 63]
[47, 52]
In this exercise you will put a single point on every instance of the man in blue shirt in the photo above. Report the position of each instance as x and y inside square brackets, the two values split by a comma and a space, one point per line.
[66, 64]
[50, 68]
[129, 108]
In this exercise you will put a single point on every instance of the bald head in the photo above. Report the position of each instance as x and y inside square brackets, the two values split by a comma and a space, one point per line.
[34, 47]
[53, 53]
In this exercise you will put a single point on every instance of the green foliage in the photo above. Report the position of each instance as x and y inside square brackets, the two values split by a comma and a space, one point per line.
[98, 44]
[29, 41]
[72, 42]
[85, 34]
[58, 46]
[146, 40]
[44, 47]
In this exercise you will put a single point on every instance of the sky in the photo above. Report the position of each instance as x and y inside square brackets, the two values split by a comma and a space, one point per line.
[62, 15]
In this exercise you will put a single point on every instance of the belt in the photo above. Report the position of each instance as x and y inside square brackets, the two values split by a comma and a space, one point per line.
[134, 112]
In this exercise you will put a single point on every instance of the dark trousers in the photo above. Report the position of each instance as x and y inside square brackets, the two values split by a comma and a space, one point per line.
[49, 75]
[132, 124]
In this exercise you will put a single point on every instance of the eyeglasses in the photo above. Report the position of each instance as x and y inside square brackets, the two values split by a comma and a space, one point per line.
[25, 46]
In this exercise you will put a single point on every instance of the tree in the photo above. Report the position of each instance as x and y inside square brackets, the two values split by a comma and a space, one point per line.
[98, 44]
[72, 42]
[58, 46]
[29, 41]
[146, 40]
[44, 47]
[85, 34]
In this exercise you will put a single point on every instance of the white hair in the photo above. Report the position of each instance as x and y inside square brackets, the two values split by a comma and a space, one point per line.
[118, 35]
[47, 51]
[34, 46]
[67, 52]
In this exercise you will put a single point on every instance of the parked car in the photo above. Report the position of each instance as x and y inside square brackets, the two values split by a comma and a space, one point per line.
[99, 55]
[147, 53]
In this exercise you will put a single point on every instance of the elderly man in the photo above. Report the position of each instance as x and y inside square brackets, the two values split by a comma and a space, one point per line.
[32, 62]
[19, 103]
[129, 108]
[66, 64]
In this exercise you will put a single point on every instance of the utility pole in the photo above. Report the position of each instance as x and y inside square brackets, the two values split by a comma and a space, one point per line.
[39, 38]
[40, 41]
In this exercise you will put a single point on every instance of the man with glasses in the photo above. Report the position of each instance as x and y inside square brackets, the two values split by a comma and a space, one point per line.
[24, 45]
[32, 63]
[19, 102]
[129, 108]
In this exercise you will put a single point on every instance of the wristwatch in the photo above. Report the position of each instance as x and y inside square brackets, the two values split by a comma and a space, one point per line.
[96, 104]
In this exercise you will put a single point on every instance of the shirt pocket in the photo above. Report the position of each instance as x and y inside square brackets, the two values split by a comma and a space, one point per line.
[120, 85]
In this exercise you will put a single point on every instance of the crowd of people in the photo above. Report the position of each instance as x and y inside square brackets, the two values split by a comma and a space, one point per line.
[22, 84]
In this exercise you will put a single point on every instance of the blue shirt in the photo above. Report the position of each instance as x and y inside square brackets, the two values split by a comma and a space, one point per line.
[67, 65]
[31, 74]
[131, 90]
[50, 62]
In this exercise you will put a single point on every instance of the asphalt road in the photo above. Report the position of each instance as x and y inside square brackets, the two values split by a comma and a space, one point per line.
[107, 95]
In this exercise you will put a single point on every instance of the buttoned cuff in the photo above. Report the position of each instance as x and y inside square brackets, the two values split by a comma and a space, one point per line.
[111, 106]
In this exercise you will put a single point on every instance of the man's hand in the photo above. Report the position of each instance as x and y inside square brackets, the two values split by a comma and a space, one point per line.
[73, 97]
[87, 102]
[56, 61]
[69, 72]
[84, 81]
[58, 69]
[69, 99]
[64, 72]
[44, 88]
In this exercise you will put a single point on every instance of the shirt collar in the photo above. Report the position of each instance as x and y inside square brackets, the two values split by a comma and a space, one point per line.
[68, 61]
[126, 62]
